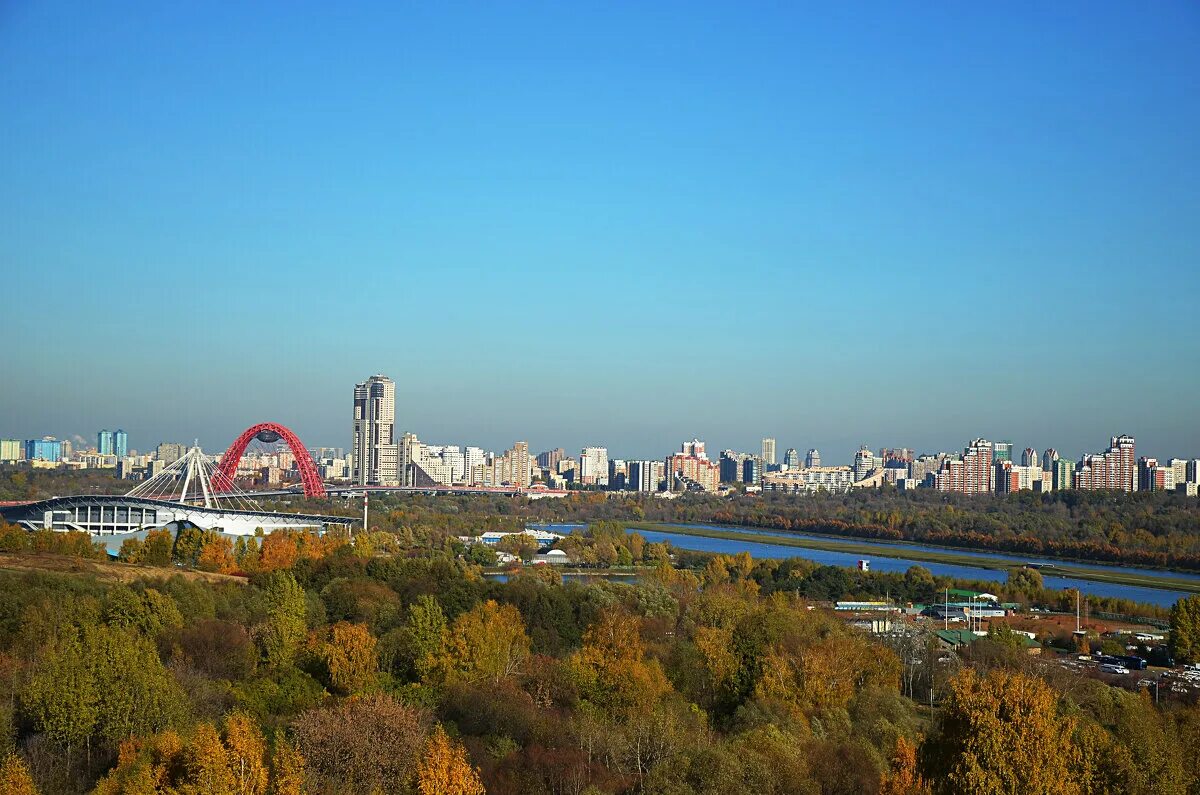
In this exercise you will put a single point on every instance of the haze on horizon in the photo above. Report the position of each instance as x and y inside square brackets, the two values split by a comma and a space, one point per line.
[605, 223]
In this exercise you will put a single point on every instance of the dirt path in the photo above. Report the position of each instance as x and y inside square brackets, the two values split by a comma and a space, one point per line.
[105, 570]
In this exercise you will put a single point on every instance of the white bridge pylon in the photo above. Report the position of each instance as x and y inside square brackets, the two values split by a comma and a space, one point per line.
[189, 481]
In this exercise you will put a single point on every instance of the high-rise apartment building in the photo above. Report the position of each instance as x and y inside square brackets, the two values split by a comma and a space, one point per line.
[1030, 458]
[1114, 469]
[688, 471]
[768, 452]
[104, 442]
[550, 458]
[864, 462]
[1063, 474]
[730, 463]
[791, 459]
[694, 447]
[752, 470]
[1002, 451]
[376, 457]
[645, 475]
[517, 465]
[120, 443]
[1153, 476]
[618, 474]
[1048, 459]
[973, 473]
[12, 450]
[593, 466]
[813, 459]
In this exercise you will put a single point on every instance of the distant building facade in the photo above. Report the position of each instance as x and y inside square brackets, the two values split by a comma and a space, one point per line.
[376, 457]
[1114, 470]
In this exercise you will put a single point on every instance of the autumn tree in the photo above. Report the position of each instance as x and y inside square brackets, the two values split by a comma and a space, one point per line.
[362, 744]
[277, 551]
[15, 778]
[1185, 629]
[349, 657]
[246, 754]
[287, 769]
[523, 545]
[611, 668]
[445, 770]
[156, 549]
[1002, 734]
[903, 778]
[208, 768]
[217, 554]
[486, 643]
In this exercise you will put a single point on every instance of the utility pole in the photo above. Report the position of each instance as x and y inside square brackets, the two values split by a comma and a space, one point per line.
[365, 499]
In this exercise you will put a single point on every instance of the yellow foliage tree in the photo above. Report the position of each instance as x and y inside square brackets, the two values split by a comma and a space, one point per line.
[611, 666]
[15, 778]
[246, 752]
[1003, 734]
[445, 770]
[208, 763]
[350, 657]
[287, 769]
[486, 644]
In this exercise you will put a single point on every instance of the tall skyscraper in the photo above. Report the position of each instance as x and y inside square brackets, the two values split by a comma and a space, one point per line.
[791, 459]
[1114, 469]
[1002, 451]
[120, 443]
[1029, 457]
[1048, 459]
[376, 458]
[813, 459]
[104, 442]
[768, 452]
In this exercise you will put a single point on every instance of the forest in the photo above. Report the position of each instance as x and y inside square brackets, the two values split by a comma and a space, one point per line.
[1154, 529]
[335, 665]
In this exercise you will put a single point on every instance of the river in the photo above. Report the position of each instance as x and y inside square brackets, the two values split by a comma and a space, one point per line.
[888, 560]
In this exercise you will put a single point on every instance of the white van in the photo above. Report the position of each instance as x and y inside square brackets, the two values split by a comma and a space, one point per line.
[1114, 669]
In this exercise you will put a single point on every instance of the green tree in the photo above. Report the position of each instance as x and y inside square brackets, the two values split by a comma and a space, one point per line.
[1025, 579]
[156, 550]
[285, 627]
[62, 697]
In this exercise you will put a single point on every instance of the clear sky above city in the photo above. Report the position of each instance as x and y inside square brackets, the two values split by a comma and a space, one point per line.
[905, 224]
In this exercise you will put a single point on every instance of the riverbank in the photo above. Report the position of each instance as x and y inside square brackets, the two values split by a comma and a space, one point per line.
[943, 556]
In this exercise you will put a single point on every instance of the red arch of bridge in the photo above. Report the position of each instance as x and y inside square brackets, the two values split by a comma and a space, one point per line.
[222, 479]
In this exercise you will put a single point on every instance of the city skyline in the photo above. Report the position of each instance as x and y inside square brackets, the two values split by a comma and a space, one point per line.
[949, 223]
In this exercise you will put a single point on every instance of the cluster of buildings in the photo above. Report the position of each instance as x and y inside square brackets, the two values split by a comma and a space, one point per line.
[381, 457]
[985, 467]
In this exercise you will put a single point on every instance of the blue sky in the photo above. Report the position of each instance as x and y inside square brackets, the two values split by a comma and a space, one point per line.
[613, 223]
